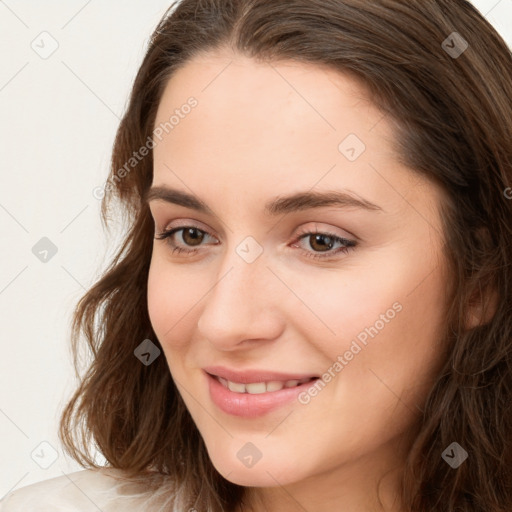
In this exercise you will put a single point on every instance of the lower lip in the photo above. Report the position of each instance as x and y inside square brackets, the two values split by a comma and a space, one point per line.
[250, 406]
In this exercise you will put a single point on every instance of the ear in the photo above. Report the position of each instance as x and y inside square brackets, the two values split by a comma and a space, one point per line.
[482, 308]
[484, 300]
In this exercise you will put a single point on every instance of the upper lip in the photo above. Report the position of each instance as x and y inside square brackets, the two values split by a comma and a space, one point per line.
[254, 375]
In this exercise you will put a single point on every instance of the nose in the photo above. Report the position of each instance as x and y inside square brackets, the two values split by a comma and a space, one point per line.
[242, 305]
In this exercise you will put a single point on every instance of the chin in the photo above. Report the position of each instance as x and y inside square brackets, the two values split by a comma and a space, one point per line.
[257, 477]
[273, 471]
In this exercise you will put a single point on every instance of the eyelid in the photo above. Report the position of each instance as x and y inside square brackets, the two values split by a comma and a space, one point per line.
[184, 223]
[327, 230]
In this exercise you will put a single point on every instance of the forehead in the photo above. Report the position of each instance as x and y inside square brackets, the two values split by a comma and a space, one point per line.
[241, 97]
[266, 127]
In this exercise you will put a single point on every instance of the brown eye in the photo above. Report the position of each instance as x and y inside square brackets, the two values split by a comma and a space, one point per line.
[184, 239]
[192, 236]
[318, 242]
[323, 245]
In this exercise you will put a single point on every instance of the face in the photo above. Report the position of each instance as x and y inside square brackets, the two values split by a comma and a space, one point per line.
[306, 252]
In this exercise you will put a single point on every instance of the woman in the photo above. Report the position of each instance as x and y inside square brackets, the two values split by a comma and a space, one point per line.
[312, 306]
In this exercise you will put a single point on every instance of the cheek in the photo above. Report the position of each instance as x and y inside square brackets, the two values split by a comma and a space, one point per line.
[389, 309]
[167, 300]
[174, 293]
[389, 336]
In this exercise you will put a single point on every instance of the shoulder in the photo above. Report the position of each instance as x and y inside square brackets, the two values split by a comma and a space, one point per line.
[84, 491]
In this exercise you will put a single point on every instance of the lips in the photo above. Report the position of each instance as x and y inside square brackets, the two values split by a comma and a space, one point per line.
[256, 376]
[251, 405]
[254, 393]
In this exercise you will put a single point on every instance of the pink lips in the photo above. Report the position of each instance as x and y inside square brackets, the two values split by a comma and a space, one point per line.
[249, 376]
[251, 405]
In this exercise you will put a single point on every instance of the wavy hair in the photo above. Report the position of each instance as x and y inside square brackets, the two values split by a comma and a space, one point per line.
[452, 116]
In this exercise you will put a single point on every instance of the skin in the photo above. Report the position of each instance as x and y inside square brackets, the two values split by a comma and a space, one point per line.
[261, 131]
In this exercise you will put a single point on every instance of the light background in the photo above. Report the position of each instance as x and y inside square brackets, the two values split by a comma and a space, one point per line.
[58, 119]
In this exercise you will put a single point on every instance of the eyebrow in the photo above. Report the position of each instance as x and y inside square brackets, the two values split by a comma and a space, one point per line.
[274, 207]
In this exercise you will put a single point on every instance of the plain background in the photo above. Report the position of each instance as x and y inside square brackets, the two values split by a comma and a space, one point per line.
[59, 115]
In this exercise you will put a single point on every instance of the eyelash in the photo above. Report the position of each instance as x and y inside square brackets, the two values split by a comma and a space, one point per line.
[349, 244]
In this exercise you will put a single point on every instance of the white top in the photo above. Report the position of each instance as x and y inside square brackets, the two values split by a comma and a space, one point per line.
[88, 490]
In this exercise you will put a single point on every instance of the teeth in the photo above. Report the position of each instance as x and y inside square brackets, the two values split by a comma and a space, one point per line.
[256, 388]
[237, 388]
[274, 385]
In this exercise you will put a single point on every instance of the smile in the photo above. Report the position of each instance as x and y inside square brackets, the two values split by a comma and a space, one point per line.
[253, 399]
[256, 388]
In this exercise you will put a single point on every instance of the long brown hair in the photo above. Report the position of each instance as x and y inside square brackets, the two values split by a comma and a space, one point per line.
[451, 105]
